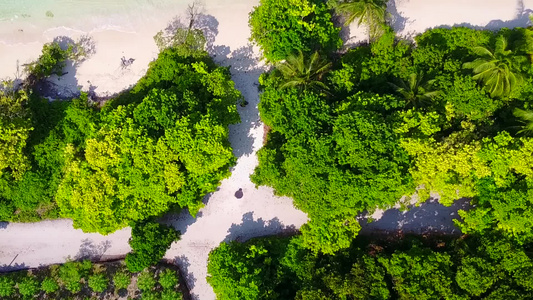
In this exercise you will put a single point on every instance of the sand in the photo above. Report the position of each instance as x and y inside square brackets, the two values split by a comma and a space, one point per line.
[225, 217]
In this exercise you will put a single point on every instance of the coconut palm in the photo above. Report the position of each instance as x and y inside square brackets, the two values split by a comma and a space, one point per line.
[370, 12]
[526, 117]
[296, 71]
[416, 91]
[497, 69]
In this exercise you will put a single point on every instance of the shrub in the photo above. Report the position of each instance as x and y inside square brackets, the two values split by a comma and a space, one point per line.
[52, 61]
[149, 242]
[28, 286]
[151, 295]
[168, 279]
[121, 280]
[146, 281]
[49, 285]
[7, 286]
[71, 274]
[98, 282]
[171, 295]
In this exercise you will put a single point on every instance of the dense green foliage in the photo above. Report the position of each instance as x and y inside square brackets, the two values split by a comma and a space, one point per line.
[282, 27]
[15, 128]
[492, 267]
[98, 282]
[161, 145]
[83, 280]
[171, 129]
[149, 241]
[397, 117]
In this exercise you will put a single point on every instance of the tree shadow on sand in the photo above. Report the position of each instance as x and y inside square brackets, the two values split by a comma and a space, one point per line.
[428, 217]
[180, 221]
[250, 228]
[395, 19]
[90, 250]
[13, 267]
[245, 73]
[183, 263]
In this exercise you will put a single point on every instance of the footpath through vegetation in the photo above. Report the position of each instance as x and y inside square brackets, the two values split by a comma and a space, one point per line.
[350, 131]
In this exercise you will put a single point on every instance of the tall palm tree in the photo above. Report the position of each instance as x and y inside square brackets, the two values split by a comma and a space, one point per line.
[296, 71]
[496, 69]
[370, 12]
[526, 117]
[416, 91]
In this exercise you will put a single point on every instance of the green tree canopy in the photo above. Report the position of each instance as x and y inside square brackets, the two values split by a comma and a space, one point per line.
[15, 128]
[162, 145]
[282, 27]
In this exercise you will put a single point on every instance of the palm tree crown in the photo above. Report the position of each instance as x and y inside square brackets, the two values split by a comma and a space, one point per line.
[496, 69]
[370, 12]
[416, 91]
[526, 117]
[296, 71]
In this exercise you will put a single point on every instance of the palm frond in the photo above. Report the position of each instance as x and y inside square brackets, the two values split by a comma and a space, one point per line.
[482, 51]
[501, 44]
[526, 117]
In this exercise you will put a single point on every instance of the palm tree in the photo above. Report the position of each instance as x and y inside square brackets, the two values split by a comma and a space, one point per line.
[370, 12]
[496, 69]
[296, 71]
[416, 91]
[526, 117]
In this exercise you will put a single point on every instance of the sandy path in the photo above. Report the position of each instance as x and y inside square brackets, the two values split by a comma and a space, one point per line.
[49, 242]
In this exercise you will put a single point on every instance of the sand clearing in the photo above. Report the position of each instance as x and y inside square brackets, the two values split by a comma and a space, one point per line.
[225, 217]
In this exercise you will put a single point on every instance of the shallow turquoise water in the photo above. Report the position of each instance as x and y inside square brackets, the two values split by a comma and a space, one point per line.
[37, 9]
[22, 20]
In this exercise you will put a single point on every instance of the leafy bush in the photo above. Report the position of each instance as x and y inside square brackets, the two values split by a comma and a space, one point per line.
[168, 279]
[121, 280]
[98, 282]
[282, 27]
[28, 287]
[71, 274]
[149, 242]
[49, 285]
[146, 281]
[171, 295]
[52, 61]
[7, 286]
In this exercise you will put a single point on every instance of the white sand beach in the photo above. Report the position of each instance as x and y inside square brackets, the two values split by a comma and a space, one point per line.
[225, 217]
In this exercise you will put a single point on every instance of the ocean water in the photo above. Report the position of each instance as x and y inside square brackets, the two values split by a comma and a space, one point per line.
[24, 19]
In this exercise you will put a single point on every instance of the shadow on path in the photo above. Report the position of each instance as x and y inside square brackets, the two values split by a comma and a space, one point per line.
[428, 217]
[250, 228]
[90, 250]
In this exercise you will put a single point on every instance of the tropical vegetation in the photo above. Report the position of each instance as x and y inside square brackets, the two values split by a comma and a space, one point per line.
[158, 147]
[399, 121]
[397, 267]
[85, 280]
